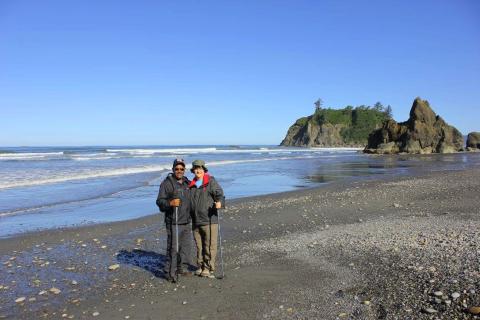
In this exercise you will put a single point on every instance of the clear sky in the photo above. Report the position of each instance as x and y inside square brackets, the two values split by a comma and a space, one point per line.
[226, 72]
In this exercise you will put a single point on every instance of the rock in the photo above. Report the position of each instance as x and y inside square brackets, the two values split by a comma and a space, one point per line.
[113, 267]
[20, 300]
[438, 293]
[396, 205]
[424, 132]
[334, 128]
[430, 310]
[473, 141]
[455, 295]
[55, 290]
[96, 314]
[474, 310]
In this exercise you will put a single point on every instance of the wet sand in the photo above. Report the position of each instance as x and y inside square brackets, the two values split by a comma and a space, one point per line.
[398, 248]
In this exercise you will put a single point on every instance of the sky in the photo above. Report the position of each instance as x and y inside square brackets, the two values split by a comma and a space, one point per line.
[226, 72]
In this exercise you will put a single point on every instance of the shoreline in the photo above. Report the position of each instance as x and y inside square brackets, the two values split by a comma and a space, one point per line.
[320, 252]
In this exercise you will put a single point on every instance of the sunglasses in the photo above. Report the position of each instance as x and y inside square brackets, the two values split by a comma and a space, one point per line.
[179, 169]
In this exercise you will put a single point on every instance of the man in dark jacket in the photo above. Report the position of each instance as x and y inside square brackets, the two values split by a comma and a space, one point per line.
[174, 196]
[207, 197]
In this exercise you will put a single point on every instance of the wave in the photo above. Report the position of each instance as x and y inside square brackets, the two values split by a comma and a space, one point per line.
[102, 153]
[29, 156]
[83, 176]
[171, 151]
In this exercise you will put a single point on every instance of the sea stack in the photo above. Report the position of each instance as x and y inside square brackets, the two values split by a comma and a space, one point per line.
[424, 132]
[473, 141]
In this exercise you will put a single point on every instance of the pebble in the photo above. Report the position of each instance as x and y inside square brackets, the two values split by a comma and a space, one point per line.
[474, 310]
[20, 300]
[96, 314]
[184, 302]
[438, 293]
[455, 295]
[430, 310]
[114, 267]
[55, 290]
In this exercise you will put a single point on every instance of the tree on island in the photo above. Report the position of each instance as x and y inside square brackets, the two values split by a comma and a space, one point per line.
[318, 104]
[378, 106]
[388, 112]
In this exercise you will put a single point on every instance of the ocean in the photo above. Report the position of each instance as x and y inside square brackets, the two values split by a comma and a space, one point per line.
[52, 187]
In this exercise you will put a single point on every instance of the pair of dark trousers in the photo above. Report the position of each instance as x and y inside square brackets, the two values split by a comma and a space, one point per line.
[178, 262]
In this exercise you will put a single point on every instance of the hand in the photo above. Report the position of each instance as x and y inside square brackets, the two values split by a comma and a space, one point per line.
[175, 203]
[218, 205]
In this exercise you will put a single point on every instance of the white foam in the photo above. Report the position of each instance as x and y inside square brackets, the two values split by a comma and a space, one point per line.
[28, 156]
[85, 175]
[171, 151]
[69, 176]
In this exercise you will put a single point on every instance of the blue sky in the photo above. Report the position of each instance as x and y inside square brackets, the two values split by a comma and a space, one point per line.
[226, 72]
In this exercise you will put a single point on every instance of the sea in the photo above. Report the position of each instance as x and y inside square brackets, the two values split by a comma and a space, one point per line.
[53, 187]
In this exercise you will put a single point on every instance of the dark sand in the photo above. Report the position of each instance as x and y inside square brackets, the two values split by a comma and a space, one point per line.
[388, 249]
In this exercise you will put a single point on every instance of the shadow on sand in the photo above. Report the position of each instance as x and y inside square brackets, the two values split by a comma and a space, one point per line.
[148, 260]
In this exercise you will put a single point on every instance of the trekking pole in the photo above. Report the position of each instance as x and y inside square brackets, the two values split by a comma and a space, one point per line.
[222, 275]
[176, 236]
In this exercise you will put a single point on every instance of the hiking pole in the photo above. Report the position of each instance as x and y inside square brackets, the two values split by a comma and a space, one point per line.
[175, 195]
[222, 275]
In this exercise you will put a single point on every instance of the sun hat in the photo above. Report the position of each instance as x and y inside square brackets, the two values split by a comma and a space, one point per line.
[199, 163]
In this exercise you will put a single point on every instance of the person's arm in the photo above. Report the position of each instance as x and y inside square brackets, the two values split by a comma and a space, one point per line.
[163, 198]
[218, 195]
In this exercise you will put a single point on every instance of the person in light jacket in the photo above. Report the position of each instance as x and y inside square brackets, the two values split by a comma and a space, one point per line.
[206, 198]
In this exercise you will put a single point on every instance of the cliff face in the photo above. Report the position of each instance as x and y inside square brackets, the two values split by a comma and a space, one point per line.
[423, 132]
[313, 134]
[334, 128]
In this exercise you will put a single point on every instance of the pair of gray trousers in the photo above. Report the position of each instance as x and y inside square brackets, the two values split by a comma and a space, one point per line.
[178, 262]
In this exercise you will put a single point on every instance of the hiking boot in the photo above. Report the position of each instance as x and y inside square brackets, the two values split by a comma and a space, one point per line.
[205, 273]
[169, 278]
[198, 271]
[212, 274]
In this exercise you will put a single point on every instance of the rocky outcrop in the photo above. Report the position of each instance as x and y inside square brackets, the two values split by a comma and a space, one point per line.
[473, 141]
[423, 132]
[347, 127]
[308, 133]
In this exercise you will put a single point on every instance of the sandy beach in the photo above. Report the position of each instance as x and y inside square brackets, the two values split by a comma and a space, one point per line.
[398, 248]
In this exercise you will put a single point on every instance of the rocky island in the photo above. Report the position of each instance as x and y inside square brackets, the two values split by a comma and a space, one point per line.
[424, 132]
[347, 127]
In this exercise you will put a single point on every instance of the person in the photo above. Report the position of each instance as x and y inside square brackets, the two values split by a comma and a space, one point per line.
[173, 195]
[206, 198]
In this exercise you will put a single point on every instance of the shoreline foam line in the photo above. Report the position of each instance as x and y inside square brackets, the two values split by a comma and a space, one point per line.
[135, 170]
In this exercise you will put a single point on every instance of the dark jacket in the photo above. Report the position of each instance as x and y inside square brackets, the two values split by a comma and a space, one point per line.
[167, 193]
[203, 201]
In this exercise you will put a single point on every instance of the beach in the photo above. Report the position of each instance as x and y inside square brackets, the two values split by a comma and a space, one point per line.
[402, 247]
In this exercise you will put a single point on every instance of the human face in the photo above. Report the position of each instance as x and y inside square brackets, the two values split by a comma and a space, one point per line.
[199, 172]
[179, 171]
